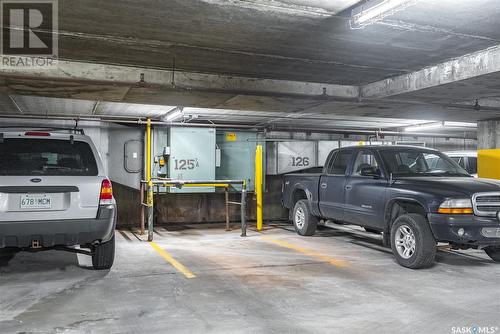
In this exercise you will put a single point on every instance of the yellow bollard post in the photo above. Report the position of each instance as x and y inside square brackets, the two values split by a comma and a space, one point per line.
[148, 150]
[150, 197]
[487, 163]
[258, 185]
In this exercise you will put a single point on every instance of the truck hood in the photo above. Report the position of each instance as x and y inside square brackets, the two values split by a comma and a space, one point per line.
[448, 186]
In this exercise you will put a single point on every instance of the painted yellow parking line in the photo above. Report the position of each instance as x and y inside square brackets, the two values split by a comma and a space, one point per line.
[308, 252]
[177, 265]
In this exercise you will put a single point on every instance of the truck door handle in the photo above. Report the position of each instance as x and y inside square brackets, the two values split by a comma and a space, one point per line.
[324, 185]
[348, 187]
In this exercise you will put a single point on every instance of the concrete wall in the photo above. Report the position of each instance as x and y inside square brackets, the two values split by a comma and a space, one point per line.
[488, 134]
[442, 144]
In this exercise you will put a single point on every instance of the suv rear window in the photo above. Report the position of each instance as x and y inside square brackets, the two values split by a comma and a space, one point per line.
[48, 157]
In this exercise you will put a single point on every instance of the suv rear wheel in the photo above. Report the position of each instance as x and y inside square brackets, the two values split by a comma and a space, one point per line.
[412, 241]
[303, 221]
[493, 252]
[103, 255]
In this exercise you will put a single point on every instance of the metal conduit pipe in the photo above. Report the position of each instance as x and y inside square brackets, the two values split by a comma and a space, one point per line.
[142, 121]
[126, 120]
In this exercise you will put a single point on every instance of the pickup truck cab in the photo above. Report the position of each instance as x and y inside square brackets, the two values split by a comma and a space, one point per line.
[54, 194]
[415, 196]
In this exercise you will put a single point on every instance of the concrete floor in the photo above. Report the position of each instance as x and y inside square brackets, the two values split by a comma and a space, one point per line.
[340, 281]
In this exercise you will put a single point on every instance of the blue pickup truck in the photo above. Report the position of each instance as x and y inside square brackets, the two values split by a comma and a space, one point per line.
[415, 196]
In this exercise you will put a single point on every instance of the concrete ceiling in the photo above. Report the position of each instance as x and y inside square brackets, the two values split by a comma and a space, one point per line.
[287, 40]
[221, 53]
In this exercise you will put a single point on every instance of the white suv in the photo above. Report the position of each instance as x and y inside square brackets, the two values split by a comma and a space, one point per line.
[54, 193]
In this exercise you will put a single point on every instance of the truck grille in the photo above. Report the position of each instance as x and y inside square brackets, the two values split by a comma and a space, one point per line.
[486, 204]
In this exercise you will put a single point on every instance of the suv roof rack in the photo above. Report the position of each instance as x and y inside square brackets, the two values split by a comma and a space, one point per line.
[74, 130]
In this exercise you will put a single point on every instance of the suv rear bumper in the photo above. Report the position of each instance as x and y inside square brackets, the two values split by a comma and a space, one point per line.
[478, 231]
[68, 232]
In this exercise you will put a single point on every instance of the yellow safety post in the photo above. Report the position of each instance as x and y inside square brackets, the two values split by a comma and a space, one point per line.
[487, 163]
[148, 150]
[258, 185]
[150, 196]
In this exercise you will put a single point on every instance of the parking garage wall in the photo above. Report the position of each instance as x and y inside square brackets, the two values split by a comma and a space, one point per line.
[441, 144]
[210, 208]
[207, 207]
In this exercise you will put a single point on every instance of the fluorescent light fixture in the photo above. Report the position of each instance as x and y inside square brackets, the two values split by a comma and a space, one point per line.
[424, 127]
[439, 125]
[375, 10]
[448, 124]
[173, 114]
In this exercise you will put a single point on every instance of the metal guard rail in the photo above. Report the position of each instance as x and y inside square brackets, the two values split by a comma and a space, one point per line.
[160, 182]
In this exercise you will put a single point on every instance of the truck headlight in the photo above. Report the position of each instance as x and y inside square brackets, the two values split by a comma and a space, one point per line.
[460, 206]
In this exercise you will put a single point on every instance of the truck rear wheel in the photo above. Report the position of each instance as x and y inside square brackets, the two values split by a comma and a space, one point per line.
[412, 241]
[493, 252]
[304, 222]
[103, 255]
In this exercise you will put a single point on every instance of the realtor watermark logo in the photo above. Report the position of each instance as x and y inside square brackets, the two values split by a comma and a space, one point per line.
[474, 329]
[29, 36]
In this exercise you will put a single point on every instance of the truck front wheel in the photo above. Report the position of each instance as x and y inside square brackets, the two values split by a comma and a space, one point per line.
[493, 252]
[304, 222]
[412, 241]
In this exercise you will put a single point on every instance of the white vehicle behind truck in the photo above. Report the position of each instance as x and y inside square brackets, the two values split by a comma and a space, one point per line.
[466, 159]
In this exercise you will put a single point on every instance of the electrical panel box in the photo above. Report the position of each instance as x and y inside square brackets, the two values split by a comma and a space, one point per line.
[290, 156]
[192, 157]
[133, 159]
[237, 156]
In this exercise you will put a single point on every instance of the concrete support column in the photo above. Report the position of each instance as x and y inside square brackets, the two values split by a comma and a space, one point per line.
[488, 134]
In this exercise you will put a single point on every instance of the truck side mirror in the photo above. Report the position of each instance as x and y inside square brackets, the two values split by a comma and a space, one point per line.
[371, 171]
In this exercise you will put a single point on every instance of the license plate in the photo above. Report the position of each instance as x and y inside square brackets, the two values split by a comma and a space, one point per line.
[38, 201]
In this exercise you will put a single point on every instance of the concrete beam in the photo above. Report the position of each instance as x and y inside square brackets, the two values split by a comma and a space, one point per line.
[136, 76]
[465, 67]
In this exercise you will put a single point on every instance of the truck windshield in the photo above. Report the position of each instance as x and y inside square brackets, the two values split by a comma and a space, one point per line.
[414, 162]
[47, 157]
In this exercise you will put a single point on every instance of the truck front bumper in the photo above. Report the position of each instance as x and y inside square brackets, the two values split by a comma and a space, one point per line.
[67, 232]
[465, 230]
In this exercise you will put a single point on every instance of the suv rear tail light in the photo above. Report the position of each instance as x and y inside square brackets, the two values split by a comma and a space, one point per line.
[37, 134]
[106, 196]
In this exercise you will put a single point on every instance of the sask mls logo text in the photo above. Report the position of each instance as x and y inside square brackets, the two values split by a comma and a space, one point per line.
[474, 329]
[29, 36]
